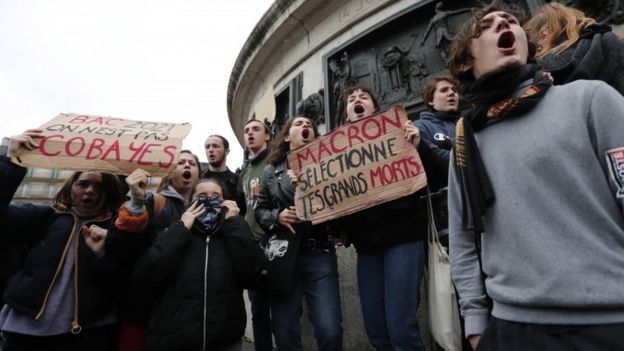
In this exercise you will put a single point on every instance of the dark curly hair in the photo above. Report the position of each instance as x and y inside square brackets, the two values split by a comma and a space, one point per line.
[459, 52]
[280, 147]
[364, 89]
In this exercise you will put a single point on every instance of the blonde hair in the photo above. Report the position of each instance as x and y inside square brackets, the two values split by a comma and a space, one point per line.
[563, 25]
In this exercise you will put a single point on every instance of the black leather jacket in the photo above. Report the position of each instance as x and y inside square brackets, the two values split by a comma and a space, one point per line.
[276, 194]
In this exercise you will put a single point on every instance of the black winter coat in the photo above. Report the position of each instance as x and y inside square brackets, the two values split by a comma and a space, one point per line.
[597, 55]
[48, 232]
[396, 222]
[201, 280]
[399, 221]
[126, 248]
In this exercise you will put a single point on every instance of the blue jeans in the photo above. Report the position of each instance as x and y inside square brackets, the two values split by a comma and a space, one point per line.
[389, 285]
[317, 273]
[261, 320]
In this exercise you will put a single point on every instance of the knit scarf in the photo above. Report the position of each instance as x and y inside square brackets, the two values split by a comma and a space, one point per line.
[492, 101]
[598, 54]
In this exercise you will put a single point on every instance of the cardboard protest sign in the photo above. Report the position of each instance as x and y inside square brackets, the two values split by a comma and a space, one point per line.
[356, 166]
[106, 144]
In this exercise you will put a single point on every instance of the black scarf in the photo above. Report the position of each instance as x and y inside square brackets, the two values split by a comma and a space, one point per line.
[491, 98]
[447, 116]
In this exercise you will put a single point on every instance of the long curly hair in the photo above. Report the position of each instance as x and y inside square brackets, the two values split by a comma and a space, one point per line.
[280, 147]
[563, 27]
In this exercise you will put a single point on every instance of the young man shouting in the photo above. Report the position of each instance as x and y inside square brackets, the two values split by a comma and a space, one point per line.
[537, 170]
[257, 137]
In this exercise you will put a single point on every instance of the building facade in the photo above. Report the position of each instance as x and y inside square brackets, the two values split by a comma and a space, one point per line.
[304, 54]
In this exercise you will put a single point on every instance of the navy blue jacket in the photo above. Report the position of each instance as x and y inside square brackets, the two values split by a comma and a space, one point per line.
[437, 138]
[48, 231]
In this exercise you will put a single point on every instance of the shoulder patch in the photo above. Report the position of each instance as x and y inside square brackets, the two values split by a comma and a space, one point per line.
[441, 137]
[615, 159]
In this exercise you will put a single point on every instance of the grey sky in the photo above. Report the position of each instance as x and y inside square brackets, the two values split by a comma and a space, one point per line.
[155, 60]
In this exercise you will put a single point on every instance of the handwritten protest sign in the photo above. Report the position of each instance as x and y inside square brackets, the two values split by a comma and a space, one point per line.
[356, 166]
[106, 144]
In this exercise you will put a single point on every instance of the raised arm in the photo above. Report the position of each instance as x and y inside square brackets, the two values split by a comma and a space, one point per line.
[19, 222]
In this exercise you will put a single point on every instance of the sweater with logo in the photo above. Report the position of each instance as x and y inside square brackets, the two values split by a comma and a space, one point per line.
[553, 246]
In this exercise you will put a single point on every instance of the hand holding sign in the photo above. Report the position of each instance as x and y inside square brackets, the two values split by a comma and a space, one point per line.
[357, 166]
[293, 176]
[25, 140]
[288, 217]
[412, 134]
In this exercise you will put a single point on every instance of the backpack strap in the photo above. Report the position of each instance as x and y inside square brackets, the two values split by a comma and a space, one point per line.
[159, 204]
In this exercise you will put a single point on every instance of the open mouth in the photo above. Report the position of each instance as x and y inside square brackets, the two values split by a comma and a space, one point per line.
[305, 134]
[506, 40]
[186, 175]
[358, 109]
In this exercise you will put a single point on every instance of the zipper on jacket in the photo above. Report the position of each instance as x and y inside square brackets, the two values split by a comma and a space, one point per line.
[75, 325]
[205, 292]
[58, 271]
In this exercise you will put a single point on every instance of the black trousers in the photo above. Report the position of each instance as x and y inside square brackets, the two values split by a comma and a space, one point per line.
[93, 339]
[501, 335]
